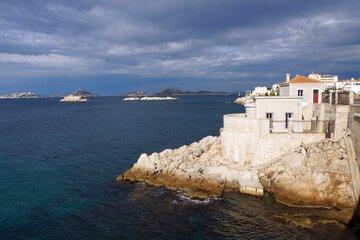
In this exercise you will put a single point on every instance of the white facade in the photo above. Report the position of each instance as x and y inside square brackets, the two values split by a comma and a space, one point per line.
[259, 91]
[282, 111]
[328, 80]
[310, 91]
[307, 91]
[355, 87]
[292, 111]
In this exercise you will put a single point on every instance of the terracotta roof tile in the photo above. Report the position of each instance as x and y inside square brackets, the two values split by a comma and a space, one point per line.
[302, 79]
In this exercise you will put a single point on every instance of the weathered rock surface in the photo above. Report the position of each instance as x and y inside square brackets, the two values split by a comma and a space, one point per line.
[189, 168]
[244, 100]
[314, 175]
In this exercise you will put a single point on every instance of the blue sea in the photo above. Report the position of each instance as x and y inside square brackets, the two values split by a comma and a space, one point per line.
[59, 163]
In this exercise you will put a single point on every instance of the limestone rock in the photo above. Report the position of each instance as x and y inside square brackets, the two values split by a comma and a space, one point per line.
[244, 100]
[313, 175]
[189, 168]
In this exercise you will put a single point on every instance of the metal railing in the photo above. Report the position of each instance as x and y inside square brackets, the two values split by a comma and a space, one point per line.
[356, 98]
[343, 98]
[326, 97]
[302, 126]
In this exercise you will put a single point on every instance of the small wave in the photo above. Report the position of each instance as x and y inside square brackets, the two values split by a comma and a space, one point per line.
[186, 199]
[159, 192]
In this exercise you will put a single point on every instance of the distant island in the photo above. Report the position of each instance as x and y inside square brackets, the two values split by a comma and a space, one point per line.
[172, 92]
[167, 92]
[20, 95]
[83, 93]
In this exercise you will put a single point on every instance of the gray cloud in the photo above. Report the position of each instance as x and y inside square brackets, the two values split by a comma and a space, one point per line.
[239, 42]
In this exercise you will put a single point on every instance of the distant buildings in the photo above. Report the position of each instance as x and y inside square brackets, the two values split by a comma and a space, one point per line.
[329, 81]
[259, 91]
[293, 108]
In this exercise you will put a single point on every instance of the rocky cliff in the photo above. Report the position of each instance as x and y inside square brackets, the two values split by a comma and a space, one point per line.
[187, 168]
[315, 175]
[244, 100]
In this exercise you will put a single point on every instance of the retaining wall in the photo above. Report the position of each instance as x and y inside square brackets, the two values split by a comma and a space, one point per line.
[354, 129]
[249, 143]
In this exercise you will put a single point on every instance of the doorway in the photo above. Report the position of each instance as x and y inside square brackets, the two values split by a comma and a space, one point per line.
[316, 96]
[270, 117]
[287, 116]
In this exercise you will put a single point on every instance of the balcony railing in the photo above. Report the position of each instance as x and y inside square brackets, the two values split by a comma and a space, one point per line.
[302, 126]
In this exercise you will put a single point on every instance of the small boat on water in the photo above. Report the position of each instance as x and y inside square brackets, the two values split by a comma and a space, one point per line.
[73, 98]
[149, 98]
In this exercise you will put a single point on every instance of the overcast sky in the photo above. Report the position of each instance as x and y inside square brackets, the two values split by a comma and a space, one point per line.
[114, 46]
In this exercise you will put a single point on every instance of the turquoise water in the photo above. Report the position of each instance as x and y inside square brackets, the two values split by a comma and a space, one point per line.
[59, 162]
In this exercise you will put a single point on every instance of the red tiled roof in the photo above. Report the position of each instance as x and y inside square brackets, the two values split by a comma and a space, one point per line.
[302, 79]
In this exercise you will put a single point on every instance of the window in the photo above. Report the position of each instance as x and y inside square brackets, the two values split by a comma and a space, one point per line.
[300, 92]
[287, 116]
[269, 115]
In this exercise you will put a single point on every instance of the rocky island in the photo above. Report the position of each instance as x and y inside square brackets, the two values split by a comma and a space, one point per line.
[171, 92]
[20, 95]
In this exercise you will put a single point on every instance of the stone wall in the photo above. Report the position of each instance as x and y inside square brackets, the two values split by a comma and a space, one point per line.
[341, 121]
[246, 141]
[354, 129]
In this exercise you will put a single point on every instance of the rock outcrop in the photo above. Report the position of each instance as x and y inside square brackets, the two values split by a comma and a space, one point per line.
[315, 175]
[244, 100]
[188, 168]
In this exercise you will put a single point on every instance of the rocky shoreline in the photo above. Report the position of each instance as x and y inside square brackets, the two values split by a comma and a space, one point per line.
[244, 100]
[186, 168]
[314, 175]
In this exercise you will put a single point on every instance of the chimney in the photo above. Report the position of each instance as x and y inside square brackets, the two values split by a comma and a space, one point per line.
[287, 77]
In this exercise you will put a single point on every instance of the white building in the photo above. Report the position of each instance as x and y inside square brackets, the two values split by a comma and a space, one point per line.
[292, 110]
[355, 87]
[349, 85]
[308, 88]
[330, 81]
[259, 91]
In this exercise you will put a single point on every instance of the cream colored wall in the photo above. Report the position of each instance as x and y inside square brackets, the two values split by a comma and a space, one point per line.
[341, 121]
[337, 113]
[246, 141]
[307, 90]
[278, 107]
[284, 91]
[354, 129]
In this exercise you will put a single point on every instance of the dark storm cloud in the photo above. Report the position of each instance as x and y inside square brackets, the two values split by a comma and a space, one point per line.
[239, 42]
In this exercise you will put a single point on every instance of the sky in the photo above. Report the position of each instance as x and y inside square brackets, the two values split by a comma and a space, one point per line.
[114, 46]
